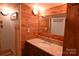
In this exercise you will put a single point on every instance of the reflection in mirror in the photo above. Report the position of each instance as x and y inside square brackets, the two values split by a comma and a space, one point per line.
[53, 26]
[57, 24]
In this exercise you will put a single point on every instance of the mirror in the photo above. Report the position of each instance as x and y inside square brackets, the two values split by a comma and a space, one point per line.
[53, 26]
[57, 24]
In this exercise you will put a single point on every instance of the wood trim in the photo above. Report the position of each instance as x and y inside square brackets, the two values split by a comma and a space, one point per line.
[18, 41]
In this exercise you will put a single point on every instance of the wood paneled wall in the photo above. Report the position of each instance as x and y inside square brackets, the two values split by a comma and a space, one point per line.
[71, 41]
[43, 25]
[56, 10]
[29, 23]
[32, 25]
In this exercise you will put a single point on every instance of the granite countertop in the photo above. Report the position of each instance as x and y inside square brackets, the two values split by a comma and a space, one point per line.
[51, 48]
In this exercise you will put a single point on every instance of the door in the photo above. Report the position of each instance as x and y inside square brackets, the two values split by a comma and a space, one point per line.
[7, 33]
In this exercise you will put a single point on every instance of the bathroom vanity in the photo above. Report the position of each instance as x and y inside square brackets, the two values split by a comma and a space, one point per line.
[42, 47]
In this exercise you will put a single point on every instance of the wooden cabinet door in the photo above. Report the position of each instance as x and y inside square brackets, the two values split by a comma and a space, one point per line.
[71, 41]
[30, 50]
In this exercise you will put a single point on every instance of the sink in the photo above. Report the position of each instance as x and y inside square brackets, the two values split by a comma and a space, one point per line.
[50, 46]
[45, 43]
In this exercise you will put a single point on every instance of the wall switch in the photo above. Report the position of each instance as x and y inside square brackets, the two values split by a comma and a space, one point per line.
[28, 30]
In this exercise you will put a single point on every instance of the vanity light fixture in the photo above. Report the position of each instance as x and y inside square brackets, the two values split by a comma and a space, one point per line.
[35, 11]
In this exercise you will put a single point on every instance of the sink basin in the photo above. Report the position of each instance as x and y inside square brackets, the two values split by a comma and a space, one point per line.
[44, 44]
